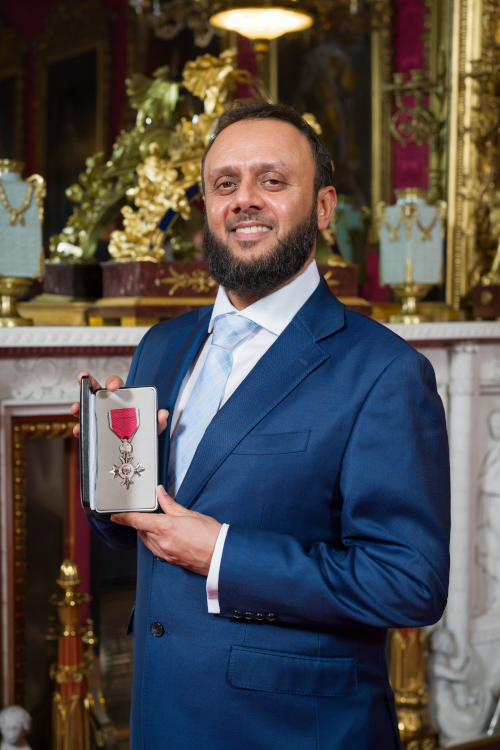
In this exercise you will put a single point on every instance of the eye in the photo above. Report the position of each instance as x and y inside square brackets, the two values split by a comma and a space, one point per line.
[225, 186]
[272, 183]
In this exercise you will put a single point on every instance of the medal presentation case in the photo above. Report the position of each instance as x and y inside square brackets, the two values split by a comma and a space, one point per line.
[118, 449]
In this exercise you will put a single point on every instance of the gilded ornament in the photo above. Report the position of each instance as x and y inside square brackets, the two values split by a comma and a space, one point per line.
[102, 190]
[483, 192]
[79, 714]
[423, 121]
[36, 184]
[199, 281]
[408, 213]
[407, 673]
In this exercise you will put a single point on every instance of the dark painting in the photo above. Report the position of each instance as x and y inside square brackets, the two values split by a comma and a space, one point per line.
[328, 74]
[7, 117]
[71, 131]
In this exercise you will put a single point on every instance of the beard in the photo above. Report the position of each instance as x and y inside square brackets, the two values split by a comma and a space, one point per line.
[264, 274]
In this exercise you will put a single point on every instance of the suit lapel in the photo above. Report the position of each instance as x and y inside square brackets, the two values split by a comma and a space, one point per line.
[178, 359]
[293, 356]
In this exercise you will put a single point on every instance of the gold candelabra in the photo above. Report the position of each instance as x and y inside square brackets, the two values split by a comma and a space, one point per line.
[420, 122]
[408, 683]
[79, 719]
[10, 289]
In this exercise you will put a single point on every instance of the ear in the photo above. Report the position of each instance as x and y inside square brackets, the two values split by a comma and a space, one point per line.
[327, 200]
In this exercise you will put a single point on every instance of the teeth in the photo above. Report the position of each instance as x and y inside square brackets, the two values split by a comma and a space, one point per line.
[252, 230]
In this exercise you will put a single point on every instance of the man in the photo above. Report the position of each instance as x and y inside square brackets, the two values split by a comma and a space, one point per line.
[305, 446]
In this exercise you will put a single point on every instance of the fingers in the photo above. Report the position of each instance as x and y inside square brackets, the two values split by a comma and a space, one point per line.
[162, 420]
[94, 383]
[168, 504]
[149, 522]
[114, 382]
[75, 411]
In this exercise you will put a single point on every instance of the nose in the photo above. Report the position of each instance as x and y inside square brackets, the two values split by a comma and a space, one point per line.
[247, 197]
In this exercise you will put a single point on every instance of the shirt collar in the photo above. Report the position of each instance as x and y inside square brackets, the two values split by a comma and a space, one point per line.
[275, 311]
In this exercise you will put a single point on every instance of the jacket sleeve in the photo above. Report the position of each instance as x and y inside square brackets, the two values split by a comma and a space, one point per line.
[392, 566]
[115, 535]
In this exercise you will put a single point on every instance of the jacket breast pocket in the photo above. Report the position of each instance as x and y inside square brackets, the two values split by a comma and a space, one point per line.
[282, 442]
[293, 674]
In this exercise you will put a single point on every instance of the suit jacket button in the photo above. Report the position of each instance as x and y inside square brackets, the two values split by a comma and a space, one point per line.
[248, 615]
[237, 614]
[271, 617]
[260, 617]
[157, 629]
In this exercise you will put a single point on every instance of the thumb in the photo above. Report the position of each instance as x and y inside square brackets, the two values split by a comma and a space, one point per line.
[167, 503]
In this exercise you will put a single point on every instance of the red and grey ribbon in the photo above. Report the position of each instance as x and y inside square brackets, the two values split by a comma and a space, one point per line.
[124, 422]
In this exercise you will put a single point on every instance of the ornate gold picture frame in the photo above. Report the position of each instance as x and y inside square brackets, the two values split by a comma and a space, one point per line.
[474, 146]
[25, 429]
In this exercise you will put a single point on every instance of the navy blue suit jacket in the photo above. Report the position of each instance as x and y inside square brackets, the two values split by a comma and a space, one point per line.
[330, 463]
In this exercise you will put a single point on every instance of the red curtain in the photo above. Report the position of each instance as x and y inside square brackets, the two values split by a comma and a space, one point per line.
[410, 161]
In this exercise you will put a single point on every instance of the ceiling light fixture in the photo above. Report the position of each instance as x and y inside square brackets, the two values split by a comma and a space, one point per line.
[262, 20]
[266, 22]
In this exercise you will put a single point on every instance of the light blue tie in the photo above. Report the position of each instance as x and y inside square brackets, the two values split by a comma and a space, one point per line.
[205, 399]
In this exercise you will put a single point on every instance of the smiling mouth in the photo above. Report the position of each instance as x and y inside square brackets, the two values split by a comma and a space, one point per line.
[251, 230]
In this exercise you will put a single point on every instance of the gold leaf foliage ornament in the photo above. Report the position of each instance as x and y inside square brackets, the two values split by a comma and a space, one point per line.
[102, 189]
[157, 192]
[155, 100]
[180, 135]
[212, 79]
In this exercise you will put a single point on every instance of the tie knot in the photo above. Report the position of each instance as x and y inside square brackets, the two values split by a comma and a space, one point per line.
[230, 329]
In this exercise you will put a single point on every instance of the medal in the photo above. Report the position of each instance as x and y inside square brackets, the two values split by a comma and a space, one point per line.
[125, 423]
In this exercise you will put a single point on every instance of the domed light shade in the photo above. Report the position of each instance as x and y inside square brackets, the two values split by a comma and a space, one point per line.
[262, 23]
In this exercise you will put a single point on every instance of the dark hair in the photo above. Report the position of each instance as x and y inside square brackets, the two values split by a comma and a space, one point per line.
[265, 111]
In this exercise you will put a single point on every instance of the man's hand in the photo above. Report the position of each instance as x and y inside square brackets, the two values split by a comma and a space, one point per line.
[178, 536]
[112, 384]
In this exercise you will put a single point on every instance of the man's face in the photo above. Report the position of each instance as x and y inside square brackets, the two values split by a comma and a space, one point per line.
[262, 168]
[260, 199]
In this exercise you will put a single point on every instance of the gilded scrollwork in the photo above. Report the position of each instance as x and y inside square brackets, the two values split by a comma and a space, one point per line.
[474, 149]
[199, 281]
[485, 133]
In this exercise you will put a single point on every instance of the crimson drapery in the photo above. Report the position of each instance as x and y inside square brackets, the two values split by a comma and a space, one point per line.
[410, 161]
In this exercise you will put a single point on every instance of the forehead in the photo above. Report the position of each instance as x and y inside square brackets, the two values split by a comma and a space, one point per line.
[250, 142]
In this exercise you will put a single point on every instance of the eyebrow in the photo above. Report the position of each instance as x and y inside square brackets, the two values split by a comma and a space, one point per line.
[231, 169]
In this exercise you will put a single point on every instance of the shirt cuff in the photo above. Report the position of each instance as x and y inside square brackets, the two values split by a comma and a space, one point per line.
[213, 573]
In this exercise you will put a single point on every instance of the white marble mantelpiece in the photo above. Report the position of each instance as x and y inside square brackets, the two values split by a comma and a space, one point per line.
[118, 336]
[70, 336]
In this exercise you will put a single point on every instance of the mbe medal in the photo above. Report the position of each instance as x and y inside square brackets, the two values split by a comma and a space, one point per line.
[125, 423]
